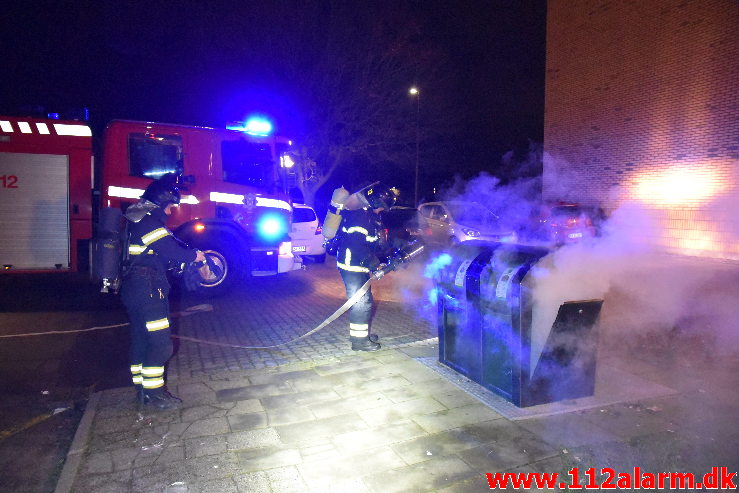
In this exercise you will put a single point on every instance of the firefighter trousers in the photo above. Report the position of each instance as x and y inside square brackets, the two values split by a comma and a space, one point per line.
[360, 313]
[145, 293]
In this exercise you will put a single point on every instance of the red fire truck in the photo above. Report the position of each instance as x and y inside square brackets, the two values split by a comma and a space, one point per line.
[233, 205]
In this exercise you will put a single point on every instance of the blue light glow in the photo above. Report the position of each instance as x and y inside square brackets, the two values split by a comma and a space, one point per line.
[272, 226]
[432, 296]
[253, 126]
[436, 264]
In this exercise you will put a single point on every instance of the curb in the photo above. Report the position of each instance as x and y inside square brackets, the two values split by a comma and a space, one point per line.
[78, 447]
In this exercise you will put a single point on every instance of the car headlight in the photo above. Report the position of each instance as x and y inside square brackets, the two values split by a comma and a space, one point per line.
[472, 233]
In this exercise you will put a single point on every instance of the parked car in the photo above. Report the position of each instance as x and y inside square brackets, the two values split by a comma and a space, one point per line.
[306, 234]
[403, 225]
[458, 222]
[570, 223]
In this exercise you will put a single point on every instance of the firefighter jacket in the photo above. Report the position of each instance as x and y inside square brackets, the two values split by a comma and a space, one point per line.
[358, 241]
[147, 229]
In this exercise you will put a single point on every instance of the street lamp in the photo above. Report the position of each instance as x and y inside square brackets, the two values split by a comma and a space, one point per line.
[415, 92]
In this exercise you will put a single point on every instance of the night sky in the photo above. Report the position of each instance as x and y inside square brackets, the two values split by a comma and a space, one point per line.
[208, 63]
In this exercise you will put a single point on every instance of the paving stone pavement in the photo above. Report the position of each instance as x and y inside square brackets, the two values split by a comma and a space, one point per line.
[274, 310]
[316, 417]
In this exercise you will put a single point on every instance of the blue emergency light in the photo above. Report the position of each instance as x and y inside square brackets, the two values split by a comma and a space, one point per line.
[253, 126]
[272, 226]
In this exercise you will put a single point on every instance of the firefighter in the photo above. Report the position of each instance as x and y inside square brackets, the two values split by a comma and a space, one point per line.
[145, 288]
[358, 243]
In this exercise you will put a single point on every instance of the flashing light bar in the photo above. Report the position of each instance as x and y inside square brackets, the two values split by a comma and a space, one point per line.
[136, 193]
[258, 126]
[254, 126]
[73, 130]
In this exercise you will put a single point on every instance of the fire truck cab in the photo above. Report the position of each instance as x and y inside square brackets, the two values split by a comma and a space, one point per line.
[233, 207]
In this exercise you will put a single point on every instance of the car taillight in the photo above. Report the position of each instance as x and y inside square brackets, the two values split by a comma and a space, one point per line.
[319, 230]
[571, 222]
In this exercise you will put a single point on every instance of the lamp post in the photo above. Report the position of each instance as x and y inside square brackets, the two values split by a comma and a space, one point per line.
[415, 92]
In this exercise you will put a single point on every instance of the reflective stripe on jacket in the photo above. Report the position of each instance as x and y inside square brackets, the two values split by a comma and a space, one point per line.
[358, 241]
[150, 231]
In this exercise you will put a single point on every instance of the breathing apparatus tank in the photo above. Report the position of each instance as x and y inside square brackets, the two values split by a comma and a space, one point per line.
[333, 215]
[373, 196]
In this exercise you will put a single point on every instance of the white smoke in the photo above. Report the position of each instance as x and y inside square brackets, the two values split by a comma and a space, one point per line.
[645, 291]
[516, 204]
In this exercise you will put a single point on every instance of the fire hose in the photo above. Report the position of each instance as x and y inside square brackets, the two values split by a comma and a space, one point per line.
[384, 268]
[402, 256]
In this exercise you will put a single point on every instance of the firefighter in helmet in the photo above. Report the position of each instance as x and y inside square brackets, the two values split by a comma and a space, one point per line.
[145, 288]
[358, 243]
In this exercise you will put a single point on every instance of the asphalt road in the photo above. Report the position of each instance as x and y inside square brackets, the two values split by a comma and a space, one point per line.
[46, 380]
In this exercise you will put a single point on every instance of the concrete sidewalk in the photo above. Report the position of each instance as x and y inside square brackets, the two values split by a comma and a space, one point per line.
[376, 422]
[316, 417]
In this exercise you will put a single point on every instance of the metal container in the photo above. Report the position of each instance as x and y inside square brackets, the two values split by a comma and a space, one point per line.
[485, 327]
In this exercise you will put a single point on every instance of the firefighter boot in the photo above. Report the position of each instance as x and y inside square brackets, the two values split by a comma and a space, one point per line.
[162, 400]
[364, 344]
[140, 396]
[374, 338]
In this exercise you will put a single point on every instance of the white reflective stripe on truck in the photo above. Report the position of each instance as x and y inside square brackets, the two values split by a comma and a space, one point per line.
[234, 198]
[72, 130]
[278, 204]
[136, 193]
[226, 198]
[125, 193]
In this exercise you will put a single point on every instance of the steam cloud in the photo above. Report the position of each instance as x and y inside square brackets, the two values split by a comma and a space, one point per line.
[647, 292]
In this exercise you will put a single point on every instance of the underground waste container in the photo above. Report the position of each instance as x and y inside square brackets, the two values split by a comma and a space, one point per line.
[489, 333]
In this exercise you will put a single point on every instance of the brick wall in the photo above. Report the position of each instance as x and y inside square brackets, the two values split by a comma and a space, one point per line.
[642, 106]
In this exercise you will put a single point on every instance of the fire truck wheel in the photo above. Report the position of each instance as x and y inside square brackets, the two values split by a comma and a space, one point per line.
[228, 275]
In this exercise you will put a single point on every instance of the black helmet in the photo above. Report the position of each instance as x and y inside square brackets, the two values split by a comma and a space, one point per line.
[163, 191]
[379, 195]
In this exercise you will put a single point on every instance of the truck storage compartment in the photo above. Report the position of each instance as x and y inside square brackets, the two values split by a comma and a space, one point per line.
[34, 211]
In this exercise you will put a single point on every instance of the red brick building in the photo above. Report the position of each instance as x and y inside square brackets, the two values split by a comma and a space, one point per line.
[642, 105]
